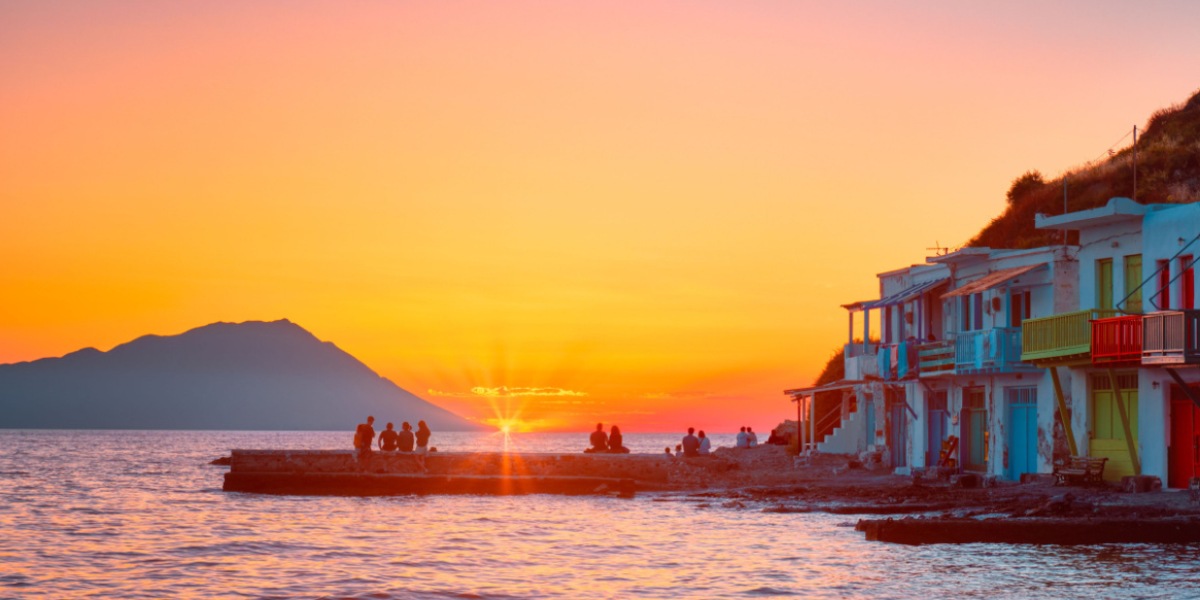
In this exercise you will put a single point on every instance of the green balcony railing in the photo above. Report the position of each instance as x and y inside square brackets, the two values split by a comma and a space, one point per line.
[1061, 337]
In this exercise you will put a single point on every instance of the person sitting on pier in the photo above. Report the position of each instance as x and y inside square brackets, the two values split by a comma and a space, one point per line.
[705, 444]
[776, 439]
[364, 437]
[598, 439]
[405, 439]
[691, 444]
[615, 440]
[387, 439]
[751, 438]
[743, 440]
[423, 434]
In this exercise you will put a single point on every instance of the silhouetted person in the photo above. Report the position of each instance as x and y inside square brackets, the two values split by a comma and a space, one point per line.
[705, 444]
[669, 452]
[690, 443]
[364, 438]
[405, 439]
[776, 439]
[387, 439]
[678, 450]
[615, 440]
[423, 434]
[598, 439]
[751, 438]
[743, 441]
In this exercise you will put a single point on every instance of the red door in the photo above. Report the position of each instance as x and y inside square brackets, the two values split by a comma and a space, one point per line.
[1183, 462]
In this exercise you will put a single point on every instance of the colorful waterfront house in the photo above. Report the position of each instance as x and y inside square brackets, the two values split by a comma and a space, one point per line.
[972, 382]
[1168, 414]
[1105, 356]
[880, 362]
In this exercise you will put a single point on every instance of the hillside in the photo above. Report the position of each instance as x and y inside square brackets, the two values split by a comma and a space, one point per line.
[1168, 171]
[254, 375]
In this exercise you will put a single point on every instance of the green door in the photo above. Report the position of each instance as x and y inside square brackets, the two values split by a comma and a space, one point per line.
[1108, 433]
[1104, 283]
[1133, 281]
[974, 430]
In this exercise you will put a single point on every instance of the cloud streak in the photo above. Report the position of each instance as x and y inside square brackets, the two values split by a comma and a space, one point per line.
[509, 392]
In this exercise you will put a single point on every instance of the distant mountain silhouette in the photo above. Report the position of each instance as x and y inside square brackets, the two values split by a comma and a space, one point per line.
[254, 375]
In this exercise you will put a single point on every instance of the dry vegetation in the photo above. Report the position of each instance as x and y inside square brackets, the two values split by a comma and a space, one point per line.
[1168, 171]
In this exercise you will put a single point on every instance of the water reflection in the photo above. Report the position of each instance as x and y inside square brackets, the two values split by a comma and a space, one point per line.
[140, 515]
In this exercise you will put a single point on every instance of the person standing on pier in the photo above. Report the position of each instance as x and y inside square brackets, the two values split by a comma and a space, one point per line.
[364, 438]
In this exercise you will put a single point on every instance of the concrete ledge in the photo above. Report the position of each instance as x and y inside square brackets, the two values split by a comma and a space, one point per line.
[1031, 531]
[344, 472]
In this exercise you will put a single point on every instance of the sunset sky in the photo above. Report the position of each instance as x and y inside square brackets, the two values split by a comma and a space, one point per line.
[648, 211]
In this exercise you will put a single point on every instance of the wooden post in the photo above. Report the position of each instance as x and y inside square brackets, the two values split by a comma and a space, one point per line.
[1062, 412]
[1129, 442]
[813, 424]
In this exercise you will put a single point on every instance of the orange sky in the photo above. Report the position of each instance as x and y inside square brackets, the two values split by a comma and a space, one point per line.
[656, 207]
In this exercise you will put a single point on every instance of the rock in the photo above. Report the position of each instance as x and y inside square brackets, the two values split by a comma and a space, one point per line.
[224, 461]
[1135, 484]
[966, 480]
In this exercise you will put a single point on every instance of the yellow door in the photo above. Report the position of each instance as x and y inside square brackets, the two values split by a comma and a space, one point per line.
[1108, 433]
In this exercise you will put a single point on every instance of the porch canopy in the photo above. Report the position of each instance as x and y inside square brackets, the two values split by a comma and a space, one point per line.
[991, 280]
[897, 298]
[841, 384]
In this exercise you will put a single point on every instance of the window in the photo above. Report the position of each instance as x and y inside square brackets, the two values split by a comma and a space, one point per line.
[1104, 283]
[1133, 283]
[1019, 308]
[977, 311]
[1164, 285]
[1187, 282]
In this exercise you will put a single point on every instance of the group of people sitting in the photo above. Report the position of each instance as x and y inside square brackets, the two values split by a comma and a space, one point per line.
[390, 440]
[692, 445]
[612, 443]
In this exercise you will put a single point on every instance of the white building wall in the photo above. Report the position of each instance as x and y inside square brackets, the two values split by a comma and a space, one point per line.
[1167, 231]
[1113, 241]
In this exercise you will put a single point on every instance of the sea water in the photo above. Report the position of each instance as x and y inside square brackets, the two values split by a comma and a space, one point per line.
[141, 514]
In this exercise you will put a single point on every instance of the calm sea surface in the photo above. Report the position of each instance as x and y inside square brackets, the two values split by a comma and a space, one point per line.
[140, 514]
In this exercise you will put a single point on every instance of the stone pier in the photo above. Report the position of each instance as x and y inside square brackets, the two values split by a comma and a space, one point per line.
[341, 472]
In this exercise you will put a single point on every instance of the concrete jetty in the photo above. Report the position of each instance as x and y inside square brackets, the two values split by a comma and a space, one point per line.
[341, 472]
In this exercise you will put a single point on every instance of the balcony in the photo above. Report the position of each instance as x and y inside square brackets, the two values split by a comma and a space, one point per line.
[897, 361]
[996, 350]
[936, 358]
[1117, 341]
[860, 362]
[1171, 338]
[1063, 339]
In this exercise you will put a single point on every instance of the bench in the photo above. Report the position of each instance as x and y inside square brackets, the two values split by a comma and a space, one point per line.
[1081, 470]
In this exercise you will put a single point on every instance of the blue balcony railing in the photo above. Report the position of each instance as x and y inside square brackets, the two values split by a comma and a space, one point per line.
[996, 350]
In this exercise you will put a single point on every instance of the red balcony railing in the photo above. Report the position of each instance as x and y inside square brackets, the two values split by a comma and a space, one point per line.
[1117, 340]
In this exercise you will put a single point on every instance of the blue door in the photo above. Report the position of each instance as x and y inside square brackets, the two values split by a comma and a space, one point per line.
[1022, 432]
[937, 422]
